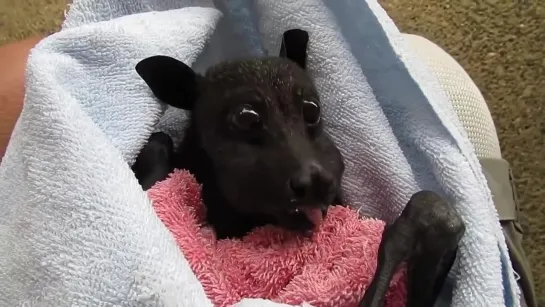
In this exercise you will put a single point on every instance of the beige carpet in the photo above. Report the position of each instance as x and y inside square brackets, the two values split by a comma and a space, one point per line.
[501, 44]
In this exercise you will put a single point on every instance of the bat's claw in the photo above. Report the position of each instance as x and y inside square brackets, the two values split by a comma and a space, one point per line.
[426, 235]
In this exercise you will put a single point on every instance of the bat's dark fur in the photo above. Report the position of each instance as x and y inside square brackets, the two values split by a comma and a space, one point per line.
[259, 172]
[257, 146]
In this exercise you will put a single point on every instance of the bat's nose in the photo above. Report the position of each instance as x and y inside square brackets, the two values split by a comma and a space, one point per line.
[311, 183]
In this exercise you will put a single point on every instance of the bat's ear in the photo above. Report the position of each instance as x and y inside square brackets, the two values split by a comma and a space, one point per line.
[294, 46]
[170, 80]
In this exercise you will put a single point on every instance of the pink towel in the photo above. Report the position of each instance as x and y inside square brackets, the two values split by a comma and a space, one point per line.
[333, 268]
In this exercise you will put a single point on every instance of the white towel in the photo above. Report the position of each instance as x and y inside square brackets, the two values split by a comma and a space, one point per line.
[77, 229]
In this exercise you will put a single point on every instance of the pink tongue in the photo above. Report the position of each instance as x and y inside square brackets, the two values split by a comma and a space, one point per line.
[314, 215]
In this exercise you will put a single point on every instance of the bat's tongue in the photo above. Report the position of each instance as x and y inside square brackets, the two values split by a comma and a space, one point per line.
[315, 215]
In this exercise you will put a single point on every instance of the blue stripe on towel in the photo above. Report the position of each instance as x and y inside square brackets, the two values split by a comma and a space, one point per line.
[243, 18]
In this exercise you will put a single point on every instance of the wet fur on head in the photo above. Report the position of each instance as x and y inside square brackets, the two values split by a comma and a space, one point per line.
[256, 141]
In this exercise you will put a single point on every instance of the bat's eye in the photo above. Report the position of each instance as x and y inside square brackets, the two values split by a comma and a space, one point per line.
[246, 118]
[311, 112]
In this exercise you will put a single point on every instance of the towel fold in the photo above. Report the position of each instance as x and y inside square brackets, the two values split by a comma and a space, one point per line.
[75, 227]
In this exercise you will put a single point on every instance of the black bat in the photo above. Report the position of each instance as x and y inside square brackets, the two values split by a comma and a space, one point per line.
[257, 145]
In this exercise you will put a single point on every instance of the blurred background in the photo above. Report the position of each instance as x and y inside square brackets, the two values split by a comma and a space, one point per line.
[501, 44]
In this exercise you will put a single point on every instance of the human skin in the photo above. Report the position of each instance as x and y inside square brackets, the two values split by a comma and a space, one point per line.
[13, 59]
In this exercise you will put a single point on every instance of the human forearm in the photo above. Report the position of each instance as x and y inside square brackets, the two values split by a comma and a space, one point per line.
[13, 58]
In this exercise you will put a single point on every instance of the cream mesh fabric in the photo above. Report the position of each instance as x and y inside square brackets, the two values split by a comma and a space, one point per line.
[462, 92]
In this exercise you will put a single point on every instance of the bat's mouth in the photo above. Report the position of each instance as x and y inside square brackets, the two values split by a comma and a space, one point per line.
[315, 215]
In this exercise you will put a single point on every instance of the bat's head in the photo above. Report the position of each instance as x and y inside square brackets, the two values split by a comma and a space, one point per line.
[259, 121]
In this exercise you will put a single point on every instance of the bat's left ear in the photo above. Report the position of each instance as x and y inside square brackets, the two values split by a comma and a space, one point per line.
[170, 80]
[294, 46]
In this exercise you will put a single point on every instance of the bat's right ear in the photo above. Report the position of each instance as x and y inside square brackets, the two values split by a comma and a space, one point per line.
[170, 80]
[294, 46]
